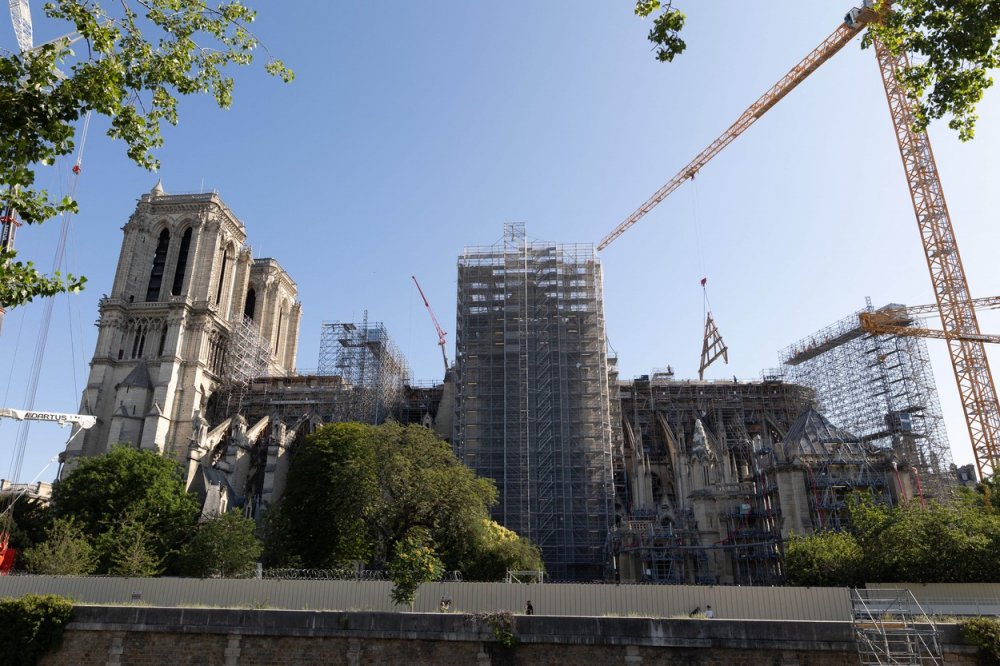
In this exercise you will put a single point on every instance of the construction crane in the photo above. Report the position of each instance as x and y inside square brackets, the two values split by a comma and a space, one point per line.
[966, 344]
[437, 326]
[898, 320]
[893, 319]
[85, 421]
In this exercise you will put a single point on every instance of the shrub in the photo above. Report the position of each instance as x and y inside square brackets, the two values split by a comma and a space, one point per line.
[32, 625]
[984, 633]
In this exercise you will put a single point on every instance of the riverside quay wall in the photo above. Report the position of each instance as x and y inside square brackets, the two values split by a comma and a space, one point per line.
[99, 635]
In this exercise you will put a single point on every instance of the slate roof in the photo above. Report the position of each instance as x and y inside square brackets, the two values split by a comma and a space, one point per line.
[139, 377]
[813, 435]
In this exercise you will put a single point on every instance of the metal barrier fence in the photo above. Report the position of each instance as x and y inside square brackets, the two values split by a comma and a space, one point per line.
[752, 603]
[952, 598]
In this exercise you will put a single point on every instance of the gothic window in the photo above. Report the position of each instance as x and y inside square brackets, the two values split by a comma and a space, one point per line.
[222, 275]
[277, 337]
[251, 303]
[217, 353]
[182, 258]
[156, 273]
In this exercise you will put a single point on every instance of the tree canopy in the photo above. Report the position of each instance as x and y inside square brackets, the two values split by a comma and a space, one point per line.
[135, 58]
[133, 503]
[225, 547]
[356, 491]
[953, 542]
[955, 45]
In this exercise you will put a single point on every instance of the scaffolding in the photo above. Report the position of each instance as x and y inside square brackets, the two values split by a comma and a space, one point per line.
[242, 356]
[879, 387]
[366, 358]
[533, 395]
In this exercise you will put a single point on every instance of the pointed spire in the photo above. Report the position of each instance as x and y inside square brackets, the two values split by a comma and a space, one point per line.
[157, 190]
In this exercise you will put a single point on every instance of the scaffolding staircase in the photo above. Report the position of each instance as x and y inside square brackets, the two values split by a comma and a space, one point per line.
[890, 627]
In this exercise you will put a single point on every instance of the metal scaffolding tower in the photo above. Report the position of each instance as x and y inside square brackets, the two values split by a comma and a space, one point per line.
[533, 403]
[879, 387]
[247, 355]
[365, 357]
[242, 357]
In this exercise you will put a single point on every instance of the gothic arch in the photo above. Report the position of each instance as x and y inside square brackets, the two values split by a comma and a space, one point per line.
[183, 259]
[227, 267]
[282, 327]
[159, 265]
[250, 304]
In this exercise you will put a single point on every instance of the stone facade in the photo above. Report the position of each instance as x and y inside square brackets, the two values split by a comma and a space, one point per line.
[186, 279]
[234, 637]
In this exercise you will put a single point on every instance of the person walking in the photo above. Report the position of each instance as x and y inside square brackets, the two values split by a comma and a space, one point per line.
[709, 613]
[528, 608]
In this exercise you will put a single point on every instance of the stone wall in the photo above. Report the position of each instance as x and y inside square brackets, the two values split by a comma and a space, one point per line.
[101, 635]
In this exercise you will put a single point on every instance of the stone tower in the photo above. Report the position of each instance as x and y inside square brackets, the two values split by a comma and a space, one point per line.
[185, 286]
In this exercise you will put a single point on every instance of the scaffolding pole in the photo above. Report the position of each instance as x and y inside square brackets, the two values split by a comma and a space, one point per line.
[879, 387]
[366, 358]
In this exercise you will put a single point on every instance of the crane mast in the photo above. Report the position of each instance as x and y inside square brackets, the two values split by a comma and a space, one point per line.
[437, 326]
[951, 289]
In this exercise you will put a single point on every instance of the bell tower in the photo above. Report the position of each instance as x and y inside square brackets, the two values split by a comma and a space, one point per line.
[185, 281]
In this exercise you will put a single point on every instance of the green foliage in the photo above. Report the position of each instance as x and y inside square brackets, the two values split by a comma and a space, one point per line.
[134, 503]
[65, 551]
[501, 626]
[26, 522]
[226, 547]
[129, 548]
[138, 57]
[824, 559]
[667, 25]
[423, 484]
[954, 45]
[413, 562]
[957, 542]
[984, 633]
[364, 488]
[32, 625]
[20, 282]
[331, 491]
[498, 550]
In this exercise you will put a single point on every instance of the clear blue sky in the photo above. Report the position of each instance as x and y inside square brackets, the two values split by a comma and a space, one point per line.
[415, 129]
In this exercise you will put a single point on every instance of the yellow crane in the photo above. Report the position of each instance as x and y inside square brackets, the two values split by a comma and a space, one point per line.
[960, 328]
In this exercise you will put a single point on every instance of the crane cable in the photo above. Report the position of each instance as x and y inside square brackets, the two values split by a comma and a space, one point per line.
[17, 459]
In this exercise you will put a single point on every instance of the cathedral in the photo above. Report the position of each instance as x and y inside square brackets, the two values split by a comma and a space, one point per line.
[186, 290]
[654, 479]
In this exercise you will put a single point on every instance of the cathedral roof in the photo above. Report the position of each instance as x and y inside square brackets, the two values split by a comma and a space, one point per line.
[813, 435]
[139, 377]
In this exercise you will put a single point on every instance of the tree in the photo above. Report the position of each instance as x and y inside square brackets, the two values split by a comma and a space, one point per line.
[956, 44]
[824, 559]
[957, 542]
[129, 547]
[26, 520]
[498, 551]
[355, 491]
[140, 56]
[129, 498]
[413, 562]
[331, 490]
[65, 551]
[226, 547]
[424, 485]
